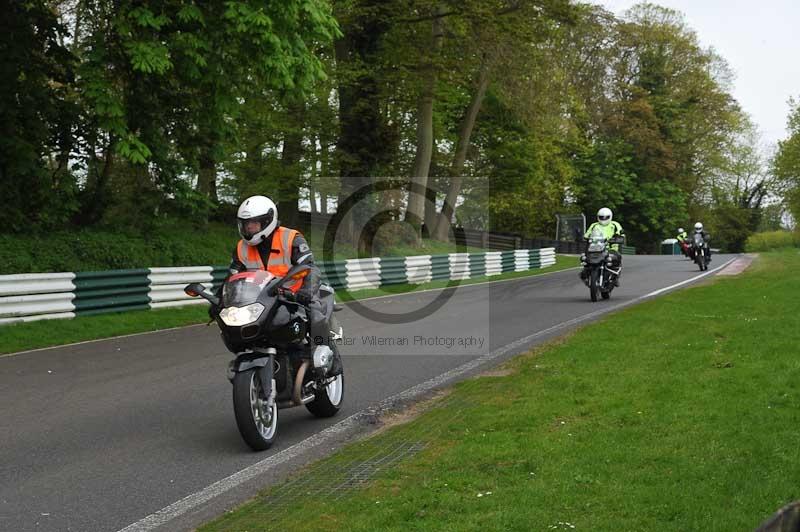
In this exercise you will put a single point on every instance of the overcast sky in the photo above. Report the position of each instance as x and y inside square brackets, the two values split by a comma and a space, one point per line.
[760, 41]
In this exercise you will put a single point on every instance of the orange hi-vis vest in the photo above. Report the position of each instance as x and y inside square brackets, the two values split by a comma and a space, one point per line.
[280, 256]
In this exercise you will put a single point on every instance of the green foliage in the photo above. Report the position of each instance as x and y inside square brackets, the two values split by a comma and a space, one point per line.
[157, 88]
[771, 218]
[731, 227]
[651, 213]
[178, 244]
[170, 243]
[139, 112]
[664, 139]
[772, 240]
[786, 164]
[527, 172]
[36, 108]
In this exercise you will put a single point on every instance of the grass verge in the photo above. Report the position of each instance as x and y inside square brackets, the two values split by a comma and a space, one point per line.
[677, 414]
[47, 333]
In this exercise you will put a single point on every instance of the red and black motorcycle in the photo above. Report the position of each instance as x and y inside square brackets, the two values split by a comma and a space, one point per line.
[277, 365]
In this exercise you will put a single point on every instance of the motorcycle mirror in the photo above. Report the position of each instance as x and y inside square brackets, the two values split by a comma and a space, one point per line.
[194, 289]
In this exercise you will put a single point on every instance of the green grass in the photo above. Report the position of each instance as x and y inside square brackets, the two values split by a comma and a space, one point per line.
[678, 414]
[46, 333]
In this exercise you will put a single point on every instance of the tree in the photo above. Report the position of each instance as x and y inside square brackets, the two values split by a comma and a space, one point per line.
[164, 79]
[35, 71]
[664, 131]
[365, 143]
[786, 163]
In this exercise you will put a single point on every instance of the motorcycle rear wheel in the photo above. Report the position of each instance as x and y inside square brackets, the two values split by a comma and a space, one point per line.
[257, 425]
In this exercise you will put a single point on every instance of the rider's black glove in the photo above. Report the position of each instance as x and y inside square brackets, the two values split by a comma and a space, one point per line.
[304, 298]
[288, 295]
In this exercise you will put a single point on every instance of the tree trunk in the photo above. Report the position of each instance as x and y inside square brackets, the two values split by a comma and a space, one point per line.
[96, 194]
[255, 161]
[312, 180]
[362, 144]
[207, 176]
[324, 174]
[312, 197]
[430, 197]
[462, 145]
[422, 161]
[289, 186]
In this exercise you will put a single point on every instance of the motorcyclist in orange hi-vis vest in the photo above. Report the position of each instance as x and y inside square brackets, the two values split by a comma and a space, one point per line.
[266, 245]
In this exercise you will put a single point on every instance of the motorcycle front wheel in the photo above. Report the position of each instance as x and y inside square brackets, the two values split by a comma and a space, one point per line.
[258, 424]
[606, 284]
[594, 282]
[701, 260]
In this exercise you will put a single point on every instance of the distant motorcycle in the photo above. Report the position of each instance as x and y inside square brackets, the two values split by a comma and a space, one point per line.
[686, 249]
[276, 365]
[598, 266]
[699, 251]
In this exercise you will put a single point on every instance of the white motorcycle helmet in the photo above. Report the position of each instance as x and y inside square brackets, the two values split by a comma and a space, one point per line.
[604, 216]
[260, 209]
[680, 230]
[698, 227]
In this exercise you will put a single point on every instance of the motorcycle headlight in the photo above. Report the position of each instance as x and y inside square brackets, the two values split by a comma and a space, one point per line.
[238, 316]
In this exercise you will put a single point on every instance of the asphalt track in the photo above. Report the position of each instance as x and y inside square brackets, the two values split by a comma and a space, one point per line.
[137, 433]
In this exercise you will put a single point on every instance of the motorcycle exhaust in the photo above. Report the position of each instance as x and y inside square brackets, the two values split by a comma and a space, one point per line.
[290, 403]
[297, 398]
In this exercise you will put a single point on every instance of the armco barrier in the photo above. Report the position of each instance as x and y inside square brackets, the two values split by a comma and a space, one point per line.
[35, 296]
[111, 291]
[418, 269]
[39, 295]
[167, 284]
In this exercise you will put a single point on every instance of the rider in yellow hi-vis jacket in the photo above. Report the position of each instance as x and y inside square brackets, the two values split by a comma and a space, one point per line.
[610, 229]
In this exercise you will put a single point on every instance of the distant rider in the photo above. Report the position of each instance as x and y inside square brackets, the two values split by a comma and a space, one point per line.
[698, 229]
[681, 238]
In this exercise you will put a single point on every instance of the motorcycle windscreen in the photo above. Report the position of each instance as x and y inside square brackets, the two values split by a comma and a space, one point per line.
[244, 288]
[698, 240]
[597, 241]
